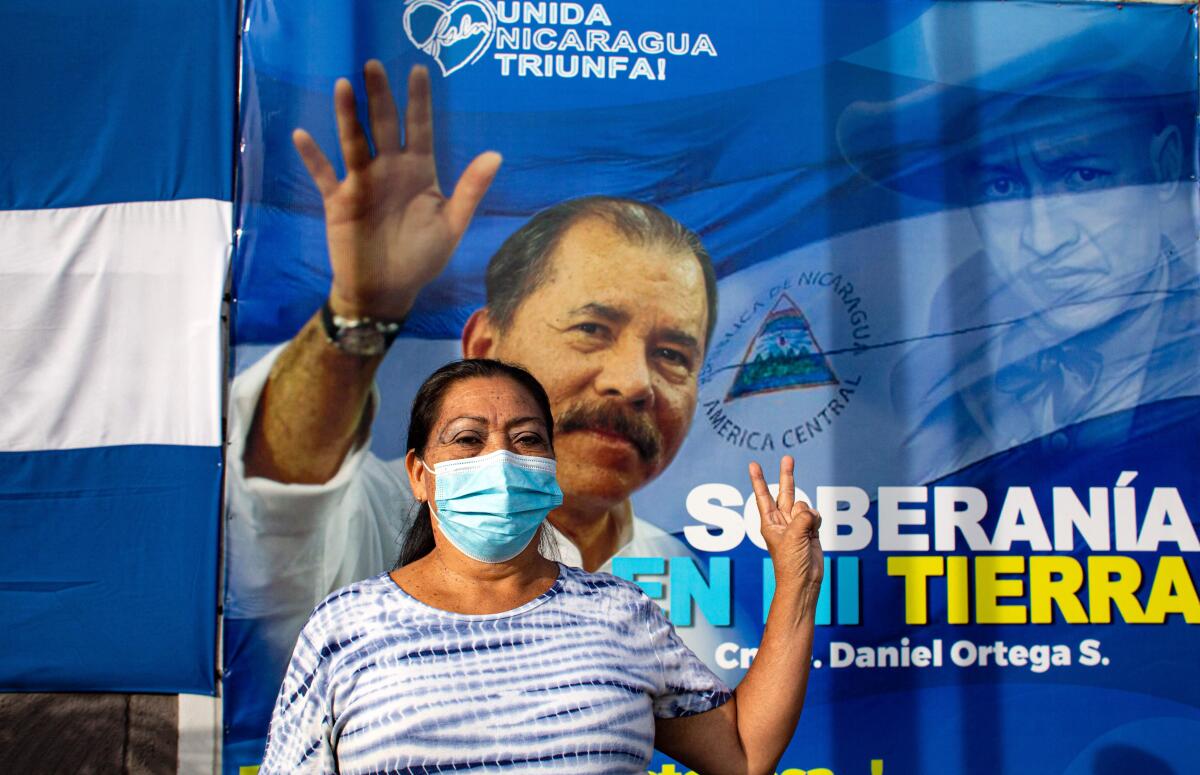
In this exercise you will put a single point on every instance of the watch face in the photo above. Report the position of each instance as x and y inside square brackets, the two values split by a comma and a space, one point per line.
[362, 340]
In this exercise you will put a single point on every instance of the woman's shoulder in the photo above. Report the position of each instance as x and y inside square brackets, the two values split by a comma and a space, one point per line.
[612, 592]
[353, 604]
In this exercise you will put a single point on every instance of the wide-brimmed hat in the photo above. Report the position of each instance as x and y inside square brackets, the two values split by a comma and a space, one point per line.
[988, 71]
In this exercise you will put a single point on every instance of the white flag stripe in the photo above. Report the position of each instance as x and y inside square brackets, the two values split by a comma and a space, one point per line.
[111, 328]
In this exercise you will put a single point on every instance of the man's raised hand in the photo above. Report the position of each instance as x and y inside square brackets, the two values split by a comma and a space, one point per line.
[789, 528]
[389, 227]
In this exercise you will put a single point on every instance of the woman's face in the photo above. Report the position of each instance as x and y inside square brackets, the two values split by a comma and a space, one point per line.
[479, 416]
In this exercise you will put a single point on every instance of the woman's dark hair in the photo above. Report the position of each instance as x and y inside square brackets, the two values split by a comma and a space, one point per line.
[426, 407]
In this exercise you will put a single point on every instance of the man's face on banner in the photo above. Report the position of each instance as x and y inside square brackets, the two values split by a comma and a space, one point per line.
[615, 332]
[1069, 209]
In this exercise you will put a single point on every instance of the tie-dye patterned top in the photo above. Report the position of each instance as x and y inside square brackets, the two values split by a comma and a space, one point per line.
[569, 682]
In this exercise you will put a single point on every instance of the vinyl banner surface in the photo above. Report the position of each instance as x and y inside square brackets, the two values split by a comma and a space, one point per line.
[954, 251]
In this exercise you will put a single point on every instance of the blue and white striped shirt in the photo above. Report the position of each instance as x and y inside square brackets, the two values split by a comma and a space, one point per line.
[569, 682]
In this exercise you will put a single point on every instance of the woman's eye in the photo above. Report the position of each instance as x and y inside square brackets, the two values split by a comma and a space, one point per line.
[531, 440]
[468, 439]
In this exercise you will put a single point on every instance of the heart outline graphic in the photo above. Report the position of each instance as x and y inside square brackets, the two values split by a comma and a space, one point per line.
[448, 32]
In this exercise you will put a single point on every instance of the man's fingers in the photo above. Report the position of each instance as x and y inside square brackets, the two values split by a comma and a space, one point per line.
[381, 108]
[787, 484]
[469, 190]
[315, 162]
[355, 151]
[418, 115]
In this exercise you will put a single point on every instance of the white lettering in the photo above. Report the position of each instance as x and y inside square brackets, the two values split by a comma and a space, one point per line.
[708, 503]
[949, 520]
[1125, 512]
[856, 503]
[650, 42]
[1167, 521]
[597, 15]
[892, 517]
[641, 69]
[1070, 515]
[1020, 520]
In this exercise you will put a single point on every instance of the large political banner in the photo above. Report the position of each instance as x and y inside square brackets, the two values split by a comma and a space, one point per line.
[954, 251]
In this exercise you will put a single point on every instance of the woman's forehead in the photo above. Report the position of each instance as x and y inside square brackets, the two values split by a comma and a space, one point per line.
[490, 400]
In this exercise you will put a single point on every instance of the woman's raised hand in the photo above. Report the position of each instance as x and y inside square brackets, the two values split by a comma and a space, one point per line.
[790, 528]
[390, 229]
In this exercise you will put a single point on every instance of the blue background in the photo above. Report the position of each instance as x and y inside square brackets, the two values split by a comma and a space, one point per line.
[755, 150]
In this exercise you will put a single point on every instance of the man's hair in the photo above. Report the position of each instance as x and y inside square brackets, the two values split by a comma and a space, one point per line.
[521, 263]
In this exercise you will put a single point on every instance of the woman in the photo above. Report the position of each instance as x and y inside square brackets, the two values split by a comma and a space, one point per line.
[479, 654]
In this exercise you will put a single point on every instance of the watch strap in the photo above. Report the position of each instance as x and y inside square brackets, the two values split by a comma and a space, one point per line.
[336, 326]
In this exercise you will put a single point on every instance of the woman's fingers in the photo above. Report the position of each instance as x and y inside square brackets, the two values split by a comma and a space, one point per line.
[315, 162]
[381, 108]
[767, 508]
[809, 517]
[787, 485]
[355, 151]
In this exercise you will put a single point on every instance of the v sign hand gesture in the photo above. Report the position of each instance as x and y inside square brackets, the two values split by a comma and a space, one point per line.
[790, 529]
[751, 731]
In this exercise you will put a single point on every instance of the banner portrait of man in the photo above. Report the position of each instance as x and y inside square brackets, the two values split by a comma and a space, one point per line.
[1082, 300]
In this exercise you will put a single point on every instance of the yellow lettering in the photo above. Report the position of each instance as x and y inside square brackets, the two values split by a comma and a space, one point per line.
[958, 591]
[916, 572]
[989, 588]
[1055, 580]
[1173, 592]
[1114, 579]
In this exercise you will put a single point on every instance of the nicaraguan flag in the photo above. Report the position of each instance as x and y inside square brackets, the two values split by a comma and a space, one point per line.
[115, 213]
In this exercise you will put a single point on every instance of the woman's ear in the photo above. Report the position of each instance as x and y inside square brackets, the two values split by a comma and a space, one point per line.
[419, 479]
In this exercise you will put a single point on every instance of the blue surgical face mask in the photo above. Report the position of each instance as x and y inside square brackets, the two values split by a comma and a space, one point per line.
[490, 507]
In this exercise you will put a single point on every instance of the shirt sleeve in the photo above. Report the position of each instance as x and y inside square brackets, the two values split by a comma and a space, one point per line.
[687, 686]
[300, 738]
[290, 545]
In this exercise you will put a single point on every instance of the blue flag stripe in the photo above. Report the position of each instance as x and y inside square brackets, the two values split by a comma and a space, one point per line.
[116, 102]
[109, 561]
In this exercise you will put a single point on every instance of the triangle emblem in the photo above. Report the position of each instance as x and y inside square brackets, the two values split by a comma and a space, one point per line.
[783, 355]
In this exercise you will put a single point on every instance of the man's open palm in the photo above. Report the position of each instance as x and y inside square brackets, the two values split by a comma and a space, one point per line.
[389, 227]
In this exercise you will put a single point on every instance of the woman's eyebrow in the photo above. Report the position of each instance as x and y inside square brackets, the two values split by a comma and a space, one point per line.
[475, 418]
[521, 420]
[461, 422]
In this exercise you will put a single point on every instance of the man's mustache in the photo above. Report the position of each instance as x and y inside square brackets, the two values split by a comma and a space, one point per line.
[614, 418]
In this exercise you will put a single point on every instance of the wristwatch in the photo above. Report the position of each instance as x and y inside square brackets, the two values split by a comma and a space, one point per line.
[359, 336]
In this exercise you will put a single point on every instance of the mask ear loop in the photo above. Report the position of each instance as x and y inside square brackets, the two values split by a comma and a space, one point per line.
[432, 505]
